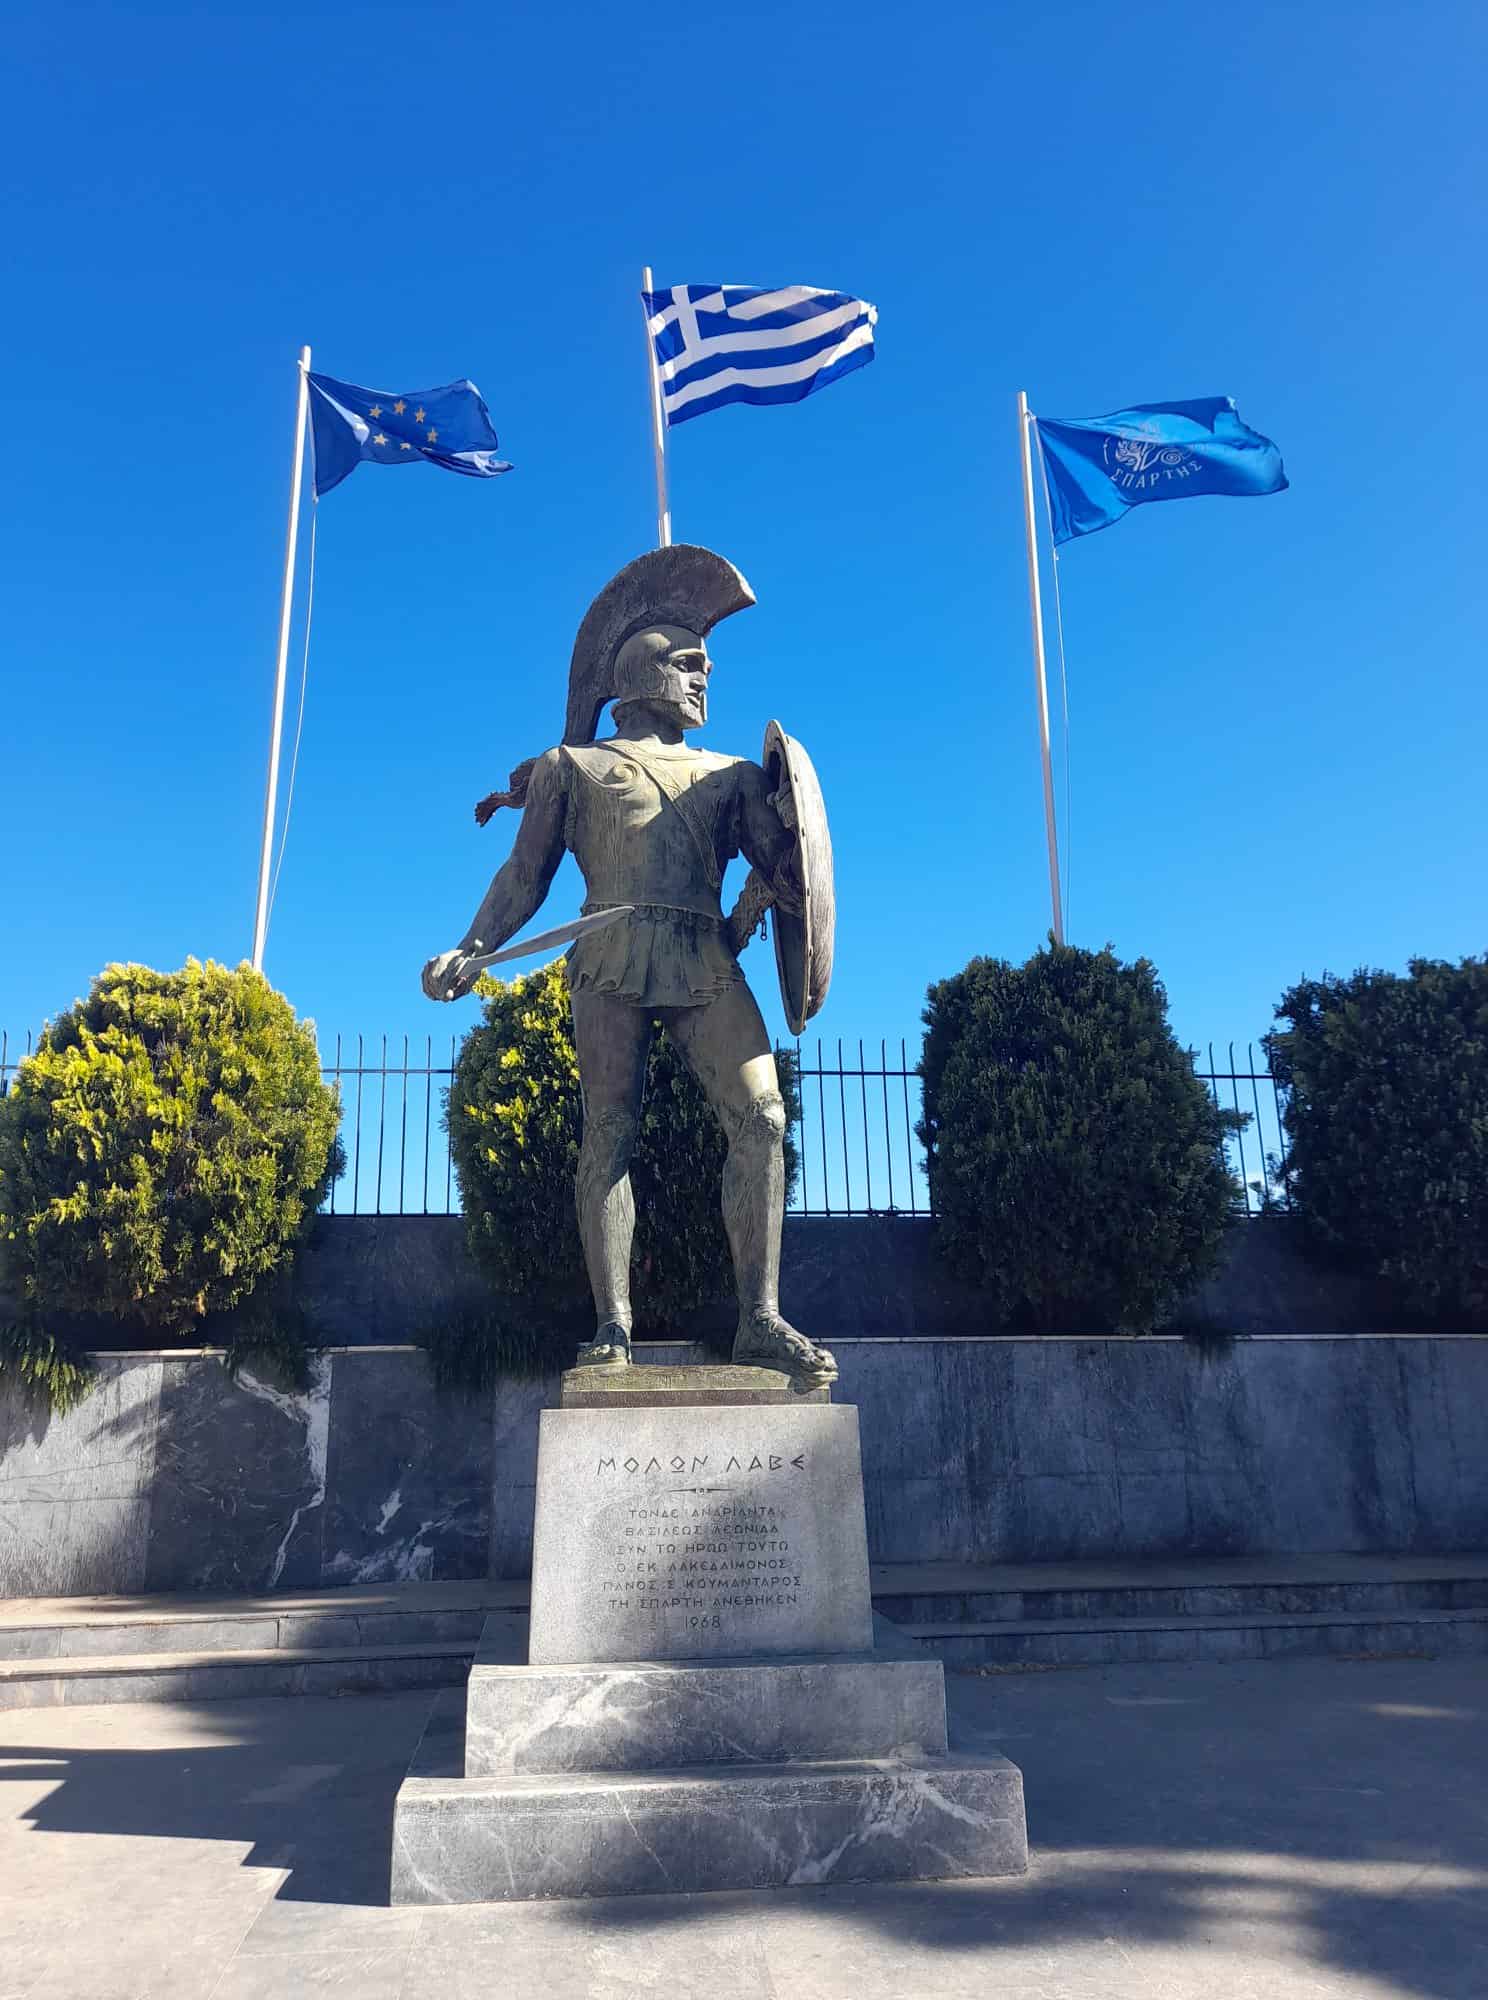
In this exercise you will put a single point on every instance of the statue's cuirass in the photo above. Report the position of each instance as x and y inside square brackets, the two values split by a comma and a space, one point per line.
[650, 828]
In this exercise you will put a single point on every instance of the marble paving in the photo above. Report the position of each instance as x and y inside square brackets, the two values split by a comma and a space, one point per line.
[1311, 1830]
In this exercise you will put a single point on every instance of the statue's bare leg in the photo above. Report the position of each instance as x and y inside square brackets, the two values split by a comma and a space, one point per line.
[612, 1038]
[727, 1049]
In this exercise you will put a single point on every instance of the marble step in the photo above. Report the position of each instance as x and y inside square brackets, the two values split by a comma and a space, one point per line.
[1170, 1591]
[374, 1617]
[231, 1675]
[1070, 1642]
[516, 1838]
[650, 1715]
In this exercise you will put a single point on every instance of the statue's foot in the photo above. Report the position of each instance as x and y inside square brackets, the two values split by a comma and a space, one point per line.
[610, 1348]
[765, 1340]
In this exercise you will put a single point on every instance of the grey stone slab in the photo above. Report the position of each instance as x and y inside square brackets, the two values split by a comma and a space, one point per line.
[287, 1925]
[375, 1974]
[30, 1642]
[369, 1279]
[1446, 1407]
[409, 1487]
[205, 1679]
[319, 1628]
[383, 1676]
[761, 1826]
[179, 1635]
[661, 1714]
[699, 1533]
[75, 1490]
[659, 1386]
[600, 1965]
[412, 1628]
[516, 1407]
[240, 1481]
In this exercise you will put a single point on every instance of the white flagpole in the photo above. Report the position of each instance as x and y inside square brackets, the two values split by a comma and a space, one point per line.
[658, 429]
[286, 607]
[1040, 679]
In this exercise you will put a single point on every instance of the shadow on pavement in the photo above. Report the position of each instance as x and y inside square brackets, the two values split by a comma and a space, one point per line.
[308, 1783]
[1334, 1812]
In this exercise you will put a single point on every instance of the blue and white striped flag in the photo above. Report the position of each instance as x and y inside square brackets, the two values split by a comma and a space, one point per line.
[718, 344]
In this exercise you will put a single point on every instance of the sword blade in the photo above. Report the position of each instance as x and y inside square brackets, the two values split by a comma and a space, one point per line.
[567, 933]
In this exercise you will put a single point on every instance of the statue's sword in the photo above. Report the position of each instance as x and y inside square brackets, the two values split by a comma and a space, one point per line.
[567, 933]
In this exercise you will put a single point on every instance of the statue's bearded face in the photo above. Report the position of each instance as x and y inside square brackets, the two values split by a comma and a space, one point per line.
[667, 668]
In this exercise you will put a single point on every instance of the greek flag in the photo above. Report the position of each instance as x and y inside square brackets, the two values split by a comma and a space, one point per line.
[717, 344]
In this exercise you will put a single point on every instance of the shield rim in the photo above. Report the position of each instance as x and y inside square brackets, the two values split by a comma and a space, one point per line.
[778, 741]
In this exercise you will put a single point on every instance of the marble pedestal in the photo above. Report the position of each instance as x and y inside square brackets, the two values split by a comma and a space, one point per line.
[704, 1702]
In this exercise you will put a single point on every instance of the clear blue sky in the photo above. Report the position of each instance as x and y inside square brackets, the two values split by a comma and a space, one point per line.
[1279, 706]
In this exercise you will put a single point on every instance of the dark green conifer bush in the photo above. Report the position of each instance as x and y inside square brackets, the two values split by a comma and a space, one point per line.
[1076, 1162]
[1386, 1117]
[163, 1149]
[514, 1122]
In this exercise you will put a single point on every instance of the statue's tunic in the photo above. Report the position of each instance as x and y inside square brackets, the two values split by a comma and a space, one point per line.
[655, 829]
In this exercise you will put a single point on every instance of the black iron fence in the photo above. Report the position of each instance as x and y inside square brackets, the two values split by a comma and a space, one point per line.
[860, 1104]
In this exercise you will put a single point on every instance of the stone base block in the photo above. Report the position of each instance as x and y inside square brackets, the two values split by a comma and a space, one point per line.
[658, 1387]
[659, 1714]
[698, 1532]
[519, 1838]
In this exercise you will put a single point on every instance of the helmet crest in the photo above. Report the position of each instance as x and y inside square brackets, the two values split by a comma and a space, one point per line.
[683, 585]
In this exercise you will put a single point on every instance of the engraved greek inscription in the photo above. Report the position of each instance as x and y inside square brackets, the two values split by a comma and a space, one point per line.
[699, 1463]
[632, 1465]
[775, 1463]
[800, 1463]
[653, 1465]
[733, 1466]
[679, 1465]
[606, 1465]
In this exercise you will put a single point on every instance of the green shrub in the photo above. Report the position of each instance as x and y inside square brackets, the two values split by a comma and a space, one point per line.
[271, 1337]
[1386, 1116]
[471, 1350]
[514, 1122]
[1076, 1162]
[164, 1147]
[47, 1372]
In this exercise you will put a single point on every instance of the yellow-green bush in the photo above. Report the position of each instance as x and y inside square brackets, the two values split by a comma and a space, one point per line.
[164, 1148]
[515, 1120]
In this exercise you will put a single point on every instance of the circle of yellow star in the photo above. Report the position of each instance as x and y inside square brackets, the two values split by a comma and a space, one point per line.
[432, 435]
[399, 407]
[405, 447]
[418, 416]
[375, 411]
[379, 439]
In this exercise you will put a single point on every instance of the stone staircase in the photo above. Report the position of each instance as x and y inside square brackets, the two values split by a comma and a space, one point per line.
[380, 1638]
[368, 1639]
[1245, 1608]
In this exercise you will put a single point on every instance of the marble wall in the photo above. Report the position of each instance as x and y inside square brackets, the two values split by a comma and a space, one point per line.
[379, 1279]
[170, 1477]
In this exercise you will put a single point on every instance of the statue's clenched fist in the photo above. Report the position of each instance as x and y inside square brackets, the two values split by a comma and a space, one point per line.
[449, 976]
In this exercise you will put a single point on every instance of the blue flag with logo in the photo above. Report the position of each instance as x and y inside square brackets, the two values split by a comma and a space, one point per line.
[449, 427]
[1099, 467]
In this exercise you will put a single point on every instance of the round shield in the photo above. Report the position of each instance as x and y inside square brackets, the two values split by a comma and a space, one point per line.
[803, 944]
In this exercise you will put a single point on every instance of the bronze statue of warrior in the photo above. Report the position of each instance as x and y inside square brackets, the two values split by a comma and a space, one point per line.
[652, 823]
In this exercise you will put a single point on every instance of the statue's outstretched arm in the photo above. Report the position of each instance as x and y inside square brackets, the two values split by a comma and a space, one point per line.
[517, 889]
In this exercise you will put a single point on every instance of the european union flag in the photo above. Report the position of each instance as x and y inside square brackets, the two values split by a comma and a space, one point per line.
[449, 427]
[1100, 466]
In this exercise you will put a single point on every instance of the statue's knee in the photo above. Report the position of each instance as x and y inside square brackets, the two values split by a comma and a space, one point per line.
[611, 1132]
[763, 1123]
